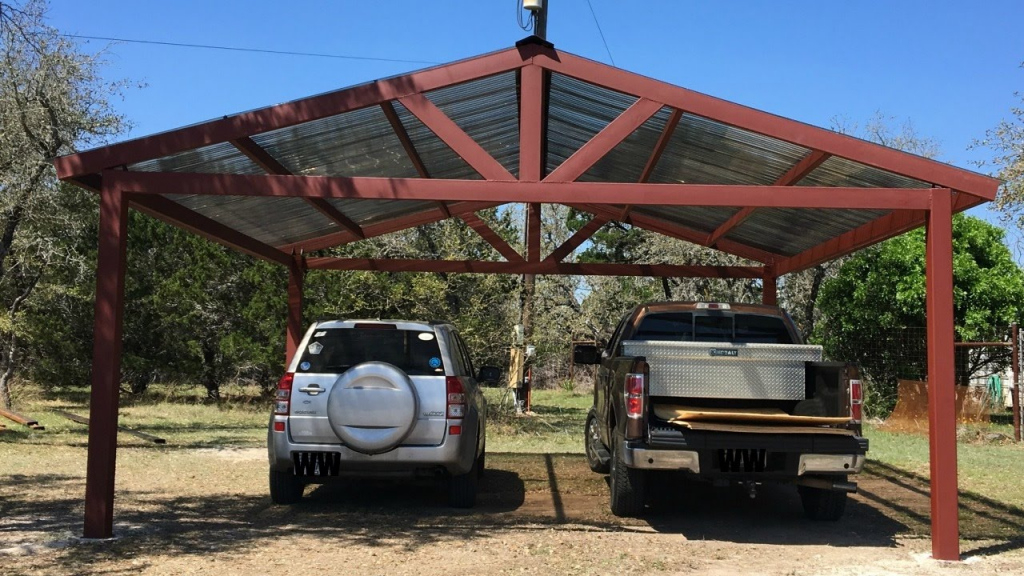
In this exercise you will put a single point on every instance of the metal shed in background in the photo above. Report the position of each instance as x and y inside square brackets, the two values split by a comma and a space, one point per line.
[530, 125]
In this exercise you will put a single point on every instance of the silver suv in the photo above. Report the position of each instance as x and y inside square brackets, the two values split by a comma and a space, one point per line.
[379, 398]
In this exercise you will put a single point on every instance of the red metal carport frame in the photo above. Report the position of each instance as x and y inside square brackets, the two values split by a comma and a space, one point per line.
[103, 170]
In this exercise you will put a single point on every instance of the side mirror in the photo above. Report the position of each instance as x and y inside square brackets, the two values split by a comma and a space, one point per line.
[585, 354]
[489, 374]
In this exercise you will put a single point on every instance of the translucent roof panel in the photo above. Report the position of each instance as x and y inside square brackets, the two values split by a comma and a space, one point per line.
[440, 160]
[789, 231]
[357, 143]
[700, 218]
[366, 212]
[625, 162]
[703, 151]
[221, 158]
[488, 111]
[842, 172]
[577, 111]
[273, 221]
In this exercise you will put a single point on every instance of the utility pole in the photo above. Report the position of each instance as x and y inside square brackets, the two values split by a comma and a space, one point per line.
[540, 22]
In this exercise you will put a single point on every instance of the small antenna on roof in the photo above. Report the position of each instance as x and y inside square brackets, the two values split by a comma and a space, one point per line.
[539, 13]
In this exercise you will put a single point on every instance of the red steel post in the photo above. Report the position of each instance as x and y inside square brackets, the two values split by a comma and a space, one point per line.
[106, 364]
[1015, 389]
[941, 381]
[296, 271]
[770, 290]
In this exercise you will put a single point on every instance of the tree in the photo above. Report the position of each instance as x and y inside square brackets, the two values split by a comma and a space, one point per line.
[1006, 141]
[879, 293]
[52, 100]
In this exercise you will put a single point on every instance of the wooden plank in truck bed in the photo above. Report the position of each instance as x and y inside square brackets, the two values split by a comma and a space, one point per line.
[677, 413]
[761, 429]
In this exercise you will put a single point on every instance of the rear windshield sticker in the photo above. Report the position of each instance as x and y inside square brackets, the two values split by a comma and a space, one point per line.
[304, 366]
[435, 362]
[320, 333]
[315, 348]
[425, 336]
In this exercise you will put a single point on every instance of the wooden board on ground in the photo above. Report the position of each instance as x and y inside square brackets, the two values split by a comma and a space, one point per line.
[20, 419]
[136, 433]
[675, 413]
[910, 414]
[761, 429]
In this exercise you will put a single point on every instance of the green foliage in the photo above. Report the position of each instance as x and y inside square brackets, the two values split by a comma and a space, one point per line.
[881, 290]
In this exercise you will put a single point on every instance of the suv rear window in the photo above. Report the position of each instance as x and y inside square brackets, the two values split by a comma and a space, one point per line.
[735, 328]
[338, 349]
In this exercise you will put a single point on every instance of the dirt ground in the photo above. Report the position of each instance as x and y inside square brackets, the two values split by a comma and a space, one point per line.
[205, 511]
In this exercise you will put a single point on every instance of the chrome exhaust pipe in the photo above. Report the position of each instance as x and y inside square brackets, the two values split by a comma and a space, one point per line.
[826, 484]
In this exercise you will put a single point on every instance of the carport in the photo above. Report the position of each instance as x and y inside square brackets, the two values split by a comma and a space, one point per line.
[529, 125]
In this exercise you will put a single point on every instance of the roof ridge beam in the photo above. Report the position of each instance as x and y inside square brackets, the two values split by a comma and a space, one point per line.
[543, 267]
[579, 237]
[761, 122]
[271, 165]
[604, 141]
[177, 215]
[455, 137]
[797, 172]
[289, 113]
[492, 237]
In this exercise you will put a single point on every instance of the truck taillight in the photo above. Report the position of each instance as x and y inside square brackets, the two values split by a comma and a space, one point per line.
[635, 392]
[856, 401]
[284, 392]
[456, 402]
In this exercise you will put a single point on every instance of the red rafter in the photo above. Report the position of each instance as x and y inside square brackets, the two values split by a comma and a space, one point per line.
[805, 166]
[410, 148]
[659, 149]
[531, 123]
[456, 139]
[271, 165]
[604, 141]
[545, 267]
[492, 237]
[576, 239]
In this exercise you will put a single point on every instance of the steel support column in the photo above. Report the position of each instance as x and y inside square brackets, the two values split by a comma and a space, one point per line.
[296, 273]
[106, 364]
[770, 290]
[941, 380]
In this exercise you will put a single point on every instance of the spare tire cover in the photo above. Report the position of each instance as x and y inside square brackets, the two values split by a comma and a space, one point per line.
[372, 407]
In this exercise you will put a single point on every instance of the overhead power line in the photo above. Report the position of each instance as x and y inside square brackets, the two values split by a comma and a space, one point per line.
[256, 50]
[601, 32]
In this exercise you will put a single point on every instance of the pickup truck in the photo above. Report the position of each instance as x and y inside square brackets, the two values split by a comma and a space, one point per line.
[725, 393]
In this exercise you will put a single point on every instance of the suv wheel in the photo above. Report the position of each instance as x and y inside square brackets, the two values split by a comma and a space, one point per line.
[285, 487]
[462, 487]
[822, 504]
[597, 453]
[628, 486]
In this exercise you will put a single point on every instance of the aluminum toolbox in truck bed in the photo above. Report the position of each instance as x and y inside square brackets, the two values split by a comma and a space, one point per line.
[722, 370]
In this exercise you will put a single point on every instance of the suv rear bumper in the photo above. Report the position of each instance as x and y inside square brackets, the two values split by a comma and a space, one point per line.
[786, 456]
[454, 455]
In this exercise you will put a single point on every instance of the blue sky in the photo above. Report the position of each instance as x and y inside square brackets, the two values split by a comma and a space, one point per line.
[949, 67]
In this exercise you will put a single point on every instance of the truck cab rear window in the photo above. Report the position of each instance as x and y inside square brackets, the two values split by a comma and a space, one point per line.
[336, 350]
[715, 327]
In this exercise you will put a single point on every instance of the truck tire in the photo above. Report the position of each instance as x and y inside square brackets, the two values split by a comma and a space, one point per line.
[285, 487]
[628, 486]
[821, 504]
[597, 453]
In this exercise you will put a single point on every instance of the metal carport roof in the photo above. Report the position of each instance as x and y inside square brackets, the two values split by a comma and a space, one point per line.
[531, 125]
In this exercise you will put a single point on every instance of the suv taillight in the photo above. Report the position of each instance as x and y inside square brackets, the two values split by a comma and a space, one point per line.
[856, 401]
[635, 392]
[284, 392]
[456, 409]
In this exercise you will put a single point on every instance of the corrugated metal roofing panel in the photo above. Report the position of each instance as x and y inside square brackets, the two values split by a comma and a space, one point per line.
[700, 218]
[357, 143]
[366, 212]
[221, 158]
[488, 111]
[440, 160]
[274, 221]
[577, 111]
[703, 151]
[789, 231]
[842, 172]
[625, 162]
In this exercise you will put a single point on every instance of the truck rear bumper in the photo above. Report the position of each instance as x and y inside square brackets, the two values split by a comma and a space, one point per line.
[682, 460]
